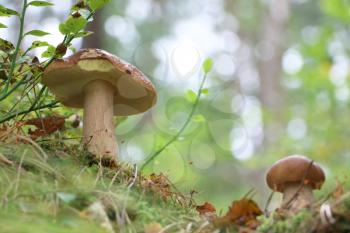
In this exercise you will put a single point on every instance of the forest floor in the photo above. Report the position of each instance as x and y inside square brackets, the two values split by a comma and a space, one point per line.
[49, 186]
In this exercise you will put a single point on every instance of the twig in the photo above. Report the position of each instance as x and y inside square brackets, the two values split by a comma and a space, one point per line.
[49, 105]
[268, 203]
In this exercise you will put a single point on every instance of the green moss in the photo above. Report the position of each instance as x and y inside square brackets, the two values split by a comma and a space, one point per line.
[45, 192]
[275, 224]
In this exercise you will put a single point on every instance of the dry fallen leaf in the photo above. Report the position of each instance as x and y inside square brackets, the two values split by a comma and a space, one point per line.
[205, 208]
[243, 213]
[45, 126]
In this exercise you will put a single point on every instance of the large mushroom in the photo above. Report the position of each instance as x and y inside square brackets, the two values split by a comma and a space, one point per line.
[295, 176]
[103, 85]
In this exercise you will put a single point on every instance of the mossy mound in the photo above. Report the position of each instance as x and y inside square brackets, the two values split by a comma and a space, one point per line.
[55, 188]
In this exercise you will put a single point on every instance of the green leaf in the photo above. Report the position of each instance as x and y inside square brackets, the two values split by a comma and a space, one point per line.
[40, 3]
[6, 46]
[336, 8]
[38, 43]
[191, 96]
[72, 25]
[3, 25]
[63, 29]
[36, 33]
[50, 52]
[207, 65]
[7, 12]
[83, 34]
[198, 118]
[97, 4]
[205, 91]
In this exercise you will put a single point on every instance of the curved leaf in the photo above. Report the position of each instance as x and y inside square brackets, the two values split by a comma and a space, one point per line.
[7, 12]
[36, 33]
[97, 4]
[207, 65]
[40, 3]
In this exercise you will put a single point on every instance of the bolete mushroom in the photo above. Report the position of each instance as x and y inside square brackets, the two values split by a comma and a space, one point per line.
[295, 176]
[103, 85]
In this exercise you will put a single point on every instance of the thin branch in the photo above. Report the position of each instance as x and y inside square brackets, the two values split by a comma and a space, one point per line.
[18, 45]
[49, 105]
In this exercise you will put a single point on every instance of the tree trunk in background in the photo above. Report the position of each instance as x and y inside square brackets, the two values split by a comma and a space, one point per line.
[273, 39]
[96, 39]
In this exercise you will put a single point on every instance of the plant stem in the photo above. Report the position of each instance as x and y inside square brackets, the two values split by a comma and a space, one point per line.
[18, 45]
[6, 94]
[33, 107]
[66, 41]
[184, 126]
[49, 105]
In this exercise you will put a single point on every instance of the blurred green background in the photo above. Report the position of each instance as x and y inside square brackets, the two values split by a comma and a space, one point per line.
[279, 86]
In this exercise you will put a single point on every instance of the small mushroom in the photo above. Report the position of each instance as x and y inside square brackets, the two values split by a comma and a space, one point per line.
[103, 85]
[295, 176]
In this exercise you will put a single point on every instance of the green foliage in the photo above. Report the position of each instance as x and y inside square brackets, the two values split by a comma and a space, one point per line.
[40, 3]
[337, 8]
[191, 96]
[38, 43]
[50, 52]
[20, 74]
[274, 224]
[7, 12]
[207, 65]
[73, 25]
[83, 34]
[97, 4]
[38, 33]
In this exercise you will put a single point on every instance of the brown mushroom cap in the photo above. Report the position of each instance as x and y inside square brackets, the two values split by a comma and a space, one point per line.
[67, 77]
[293, 169]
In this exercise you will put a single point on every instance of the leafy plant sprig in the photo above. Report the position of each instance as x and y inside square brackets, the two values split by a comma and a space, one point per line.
[19, 70]
[193, 97]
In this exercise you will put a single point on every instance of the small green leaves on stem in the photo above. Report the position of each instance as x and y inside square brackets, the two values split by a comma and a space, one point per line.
[38, 33]
[83, 34]
[40, 3]
[50, 52]
[207, 65]
[38, 43]
[97, 4]
[7, 12]
[72, 25]
[191, 96]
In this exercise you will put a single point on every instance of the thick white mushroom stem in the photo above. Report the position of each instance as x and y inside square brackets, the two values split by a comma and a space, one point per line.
[98, 126]
[295, 198]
